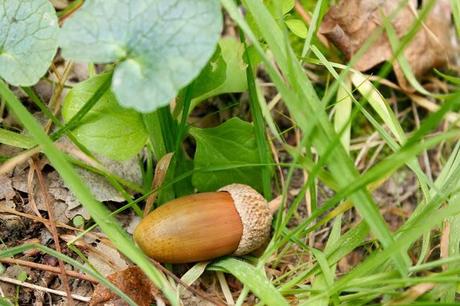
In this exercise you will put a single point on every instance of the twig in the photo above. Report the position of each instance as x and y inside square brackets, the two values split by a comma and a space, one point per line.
[50, 208]
[44, 289]
[48, 268]
[45, 222]
[54, 102]
[307, 19]
[451, 117]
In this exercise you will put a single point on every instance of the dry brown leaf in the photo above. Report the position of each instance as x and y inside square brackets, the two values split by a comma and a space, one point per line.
[160, 173]
[131, 281]
[351, 23]
[105, 259]
[411, 294]
[6, 188]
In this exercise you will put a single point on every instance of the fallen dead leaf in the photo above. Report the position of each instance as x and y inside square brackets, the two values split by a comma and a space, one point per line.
[131, 281]
[7, 192]
[106, 260]
[66, 204]
[349, 24]
[411, 294]
[6, 188]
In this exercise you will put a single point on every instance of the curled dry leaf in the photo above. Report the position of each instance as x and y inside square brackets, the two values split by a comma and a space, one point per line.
[131, 281]
[7, 192]
[105, 258]
[351, 23]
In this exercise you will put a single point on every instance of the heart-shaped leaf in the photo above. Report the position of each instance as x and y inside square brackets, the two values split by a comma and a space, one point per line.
[28, 40]
[226, 154]
[233, 70]
[108, 128]
[161, 45]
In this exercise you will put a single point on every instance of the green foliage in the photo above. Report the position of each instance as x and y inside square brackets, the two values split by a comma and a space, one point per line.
[78, 221]
[226, 154]
[216, 80]
[22, 276]
[28, 40]
[82, 267]
[108, 128]
[211, 77]
[5, 302]
[101, 215]
[254, 279]
[15, 139]
[161, 51]
[284, 7]
[297, 27]
[159, 46]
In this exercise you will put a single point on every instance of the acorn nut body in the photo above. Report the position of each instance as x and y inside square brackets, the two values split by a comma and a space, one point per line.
[235, 220]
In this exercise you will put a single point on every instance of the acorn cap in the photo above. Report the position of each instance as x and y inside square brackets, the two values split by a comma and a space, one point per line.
[255, 216]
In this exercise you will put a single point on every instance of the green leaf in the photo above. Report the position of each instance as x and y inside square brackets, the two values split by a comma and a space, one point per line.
[22, 276]
[160, 45]
[108, 129]
[9, 252]
[5, 302]
[253, 279]
[16, 140]
[101, 215]
[297, 27]
[283, 7]
[212, 76]
[287, 6]
[226, 150]
[231, 53]
[28, 40]
[309, 113]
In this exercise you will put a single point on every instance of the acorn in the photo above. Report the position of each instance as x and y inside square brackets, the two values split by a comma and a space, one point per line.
[235, 220]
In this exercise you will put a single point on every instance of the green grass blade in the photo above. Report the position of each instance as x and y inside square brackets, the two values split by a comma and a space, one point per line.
[253, 279]
[456, 13]
[15, 139]
[259, 127]
[411, 234]
[302, 105]
[314, 24]
[25, 247]
[101, 215]
[342, 114]
[343, 246]
[75, 120]
[402, 61]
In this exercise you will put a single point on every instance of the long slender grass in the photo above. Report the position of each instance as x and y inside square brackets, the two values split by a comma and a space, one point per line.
[394, 264]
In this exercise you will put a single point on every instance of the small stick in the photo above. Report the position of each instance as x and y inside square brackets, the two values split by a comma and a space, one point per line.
[55, 102]
[274, 204]
[53, 228]
[307, 19]
[47, 268]
[40, 288]
[45, 222]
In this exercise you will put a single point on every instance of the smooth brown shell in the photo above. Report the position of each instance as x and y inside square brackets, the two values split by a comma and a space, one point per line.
[192, 228]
